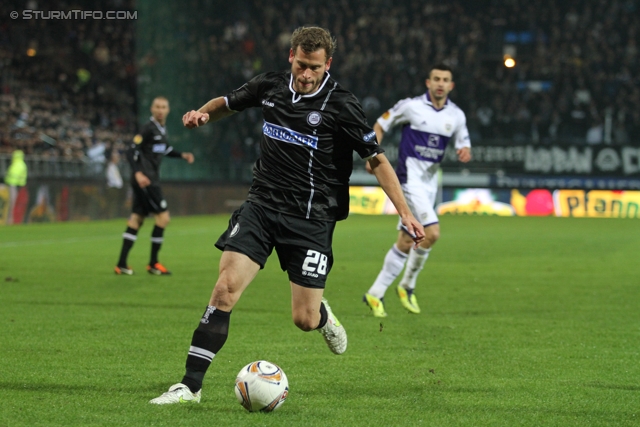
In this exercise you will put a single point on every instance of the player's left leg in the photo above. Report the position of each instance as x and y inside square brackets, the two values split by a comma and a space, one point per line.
[247, 246]
[421, 198]
[129, 237]
[236, 273]
[157, 238]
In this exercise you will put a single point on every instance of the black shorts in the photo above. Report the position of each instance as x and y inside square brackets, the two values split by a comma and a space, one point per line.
[147, 200]
[303, 246]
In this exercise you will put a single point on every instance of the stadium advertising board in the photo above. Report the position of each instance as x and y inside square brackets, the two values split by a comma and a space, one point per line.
[74, 200]
[370, 201]
[597, 203]
[569, 160]
[542, 202]
[512, 202]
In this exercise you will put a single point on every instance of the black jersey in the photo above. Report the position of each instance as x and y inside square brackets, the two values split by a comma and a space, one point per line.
[148, 149]
[307, 145]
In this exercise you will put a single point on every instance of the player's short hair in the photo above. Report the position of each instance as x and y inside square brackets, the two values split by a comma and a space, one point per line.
[160, 98]
[441, 67]
[311, 39]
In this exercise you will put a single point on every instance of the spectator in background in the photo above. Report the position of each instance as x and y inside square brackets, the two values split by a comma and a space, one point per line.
[595, 134]
[96, 154]
[16, 177]
[576, 52]
[114, 185]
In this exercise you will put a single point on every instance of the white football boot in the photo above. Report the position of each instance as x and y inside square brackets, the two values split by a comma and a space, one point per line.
[178, 393]
[333, 332]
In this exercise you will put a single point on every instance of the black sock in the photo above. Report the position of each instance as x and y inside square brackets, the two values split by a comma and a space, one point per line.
[323, 316]
[208, 339]
[128, 239]
[156, 243]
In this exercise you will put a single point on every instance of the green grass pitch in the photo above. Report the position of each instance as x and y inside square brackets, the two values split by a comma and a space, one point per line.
[526, 322]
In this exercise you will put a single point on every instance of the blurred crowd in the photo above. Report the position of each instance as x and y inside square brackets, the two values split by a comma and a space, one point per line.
[576, 79]
[69, 86]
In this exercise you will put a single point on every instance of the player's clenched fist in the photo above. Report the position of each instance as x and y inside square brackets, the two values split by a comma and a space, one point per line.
[194, 119]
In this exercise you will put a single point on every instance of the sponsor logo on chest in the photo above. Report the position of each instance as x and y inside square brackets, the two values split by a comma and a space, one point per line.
[290, 136]
[159, 148]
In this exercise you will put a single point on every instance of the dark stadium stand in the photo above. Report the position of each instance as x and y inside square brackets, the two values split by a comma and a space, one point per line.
[576, 78]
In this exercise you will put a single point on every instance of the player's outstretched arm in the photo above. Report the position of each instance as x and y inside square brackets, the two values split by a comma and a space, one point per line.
[388, 180]
[213, 110]
[188, 157]
[379, 135]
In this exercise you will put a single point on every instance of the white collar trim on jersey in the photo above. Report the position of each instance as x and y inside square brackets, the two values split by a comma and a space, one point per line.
[161, 128]
[427, 100]
[299, 97]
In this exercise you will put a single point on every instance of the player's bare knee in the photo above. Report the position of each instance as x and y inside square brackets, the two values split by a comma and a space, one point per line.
[404, 243]
[431, 234]
[135, 222]
[163, 219]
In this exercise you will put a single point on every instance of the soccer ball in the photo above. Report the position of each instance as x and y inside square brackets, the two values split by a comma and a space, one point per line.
[261, 386]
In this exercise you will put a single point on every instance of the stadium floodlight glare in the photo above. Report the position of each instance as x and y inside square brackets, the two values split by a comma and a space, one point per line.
[509, 62]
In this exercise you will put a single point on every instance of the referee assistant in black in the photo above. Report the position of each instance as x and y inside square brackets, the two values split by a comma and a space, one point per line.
[145, 156]
[300, 189]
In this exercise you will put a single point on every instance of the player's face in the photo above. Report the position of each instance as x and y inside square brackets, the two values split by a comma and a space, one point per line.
[160, 109]
[308, 69]
[439, 83]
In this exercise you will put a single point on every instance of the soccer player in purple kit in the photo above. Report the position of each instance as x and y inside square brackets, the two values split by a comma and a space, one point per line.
[429, 122]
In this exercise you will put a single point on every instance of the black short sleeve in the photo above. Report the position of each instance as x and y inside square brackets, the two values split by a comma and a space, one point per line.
[355, 130]
[247, 95]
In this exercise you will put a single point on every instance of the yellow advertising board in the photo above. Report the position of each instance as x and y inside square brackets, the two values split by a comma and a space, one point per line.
[597, 203]
[369, 201]
[537, 202]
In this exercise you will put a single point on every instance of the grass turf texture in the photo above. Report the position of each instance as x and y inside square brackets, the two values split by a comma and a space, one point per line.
[526, 321]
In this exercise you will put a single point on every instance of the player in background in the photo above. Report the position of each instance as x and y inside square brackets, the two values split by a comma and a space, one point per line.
[429, 122]
[145, 156]
[300, 189]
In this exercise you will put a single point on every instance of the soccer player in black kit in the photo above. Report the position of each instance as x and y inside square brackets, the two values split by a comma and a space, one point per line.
[145, 156]
[300, 189]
